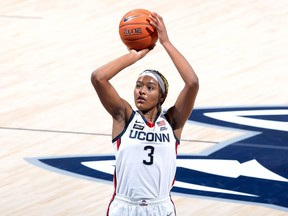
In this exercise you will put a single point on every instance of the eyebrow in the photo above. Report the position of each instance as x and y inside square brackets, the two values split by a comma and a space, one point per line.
[153, 83]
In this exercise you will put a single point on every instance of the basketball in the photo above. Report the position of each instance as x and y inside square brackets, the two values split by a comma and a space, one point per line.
[135, 30]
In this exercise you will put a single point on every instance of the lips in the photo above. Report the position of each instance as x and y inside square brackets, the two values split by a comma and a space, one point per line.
[141, 99]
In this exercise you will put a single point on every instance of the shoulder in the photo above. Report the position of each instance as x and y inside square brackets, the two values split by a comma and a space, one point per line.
[123, 114]
[122, 119]
[168, 116]
[171, 117]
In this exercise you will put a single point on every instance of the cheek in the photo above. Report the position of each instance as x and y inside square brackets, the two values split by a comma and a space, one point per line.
[135, 92]
[157, 97]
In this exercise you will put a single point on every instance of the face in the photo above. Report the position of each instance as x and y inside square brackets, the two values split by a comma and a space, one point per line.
[146, 93]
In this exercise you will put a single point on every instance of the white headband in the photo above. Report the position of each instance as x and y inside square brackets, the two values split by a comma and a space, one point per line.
[155, 76]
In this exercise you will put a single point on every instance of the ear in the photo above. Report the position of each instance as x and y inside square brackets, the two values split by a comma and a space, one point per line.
[161, 97]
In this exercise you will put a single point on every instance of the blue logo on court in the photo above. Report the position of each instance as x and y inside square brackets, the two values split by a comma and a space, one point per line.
[250, 168]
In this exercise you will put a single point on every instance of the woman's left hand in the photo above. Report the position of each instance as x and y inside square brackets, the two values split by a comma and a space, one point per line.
[158, 23]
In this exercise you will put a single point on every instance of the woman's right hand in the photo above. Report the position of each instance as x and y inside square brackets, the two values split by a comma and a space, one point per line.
[139, 54]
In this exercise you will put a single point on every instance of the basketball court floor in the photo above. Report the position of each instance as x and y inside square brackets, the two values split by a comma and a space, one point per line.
[55, 137]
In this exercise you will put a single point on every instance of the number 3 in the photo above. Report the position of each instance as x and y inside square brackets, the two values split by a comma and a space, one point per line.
[150, 154]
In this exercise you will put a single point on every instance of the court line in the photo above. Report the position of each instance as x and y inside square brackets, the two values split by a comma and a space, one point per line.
[20, 17]
[85, 133]
[261, 146]
[55, 131]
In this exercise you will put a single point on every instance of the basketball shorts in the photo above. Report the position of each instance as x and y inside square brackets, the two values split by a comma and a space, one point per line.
[124, 206]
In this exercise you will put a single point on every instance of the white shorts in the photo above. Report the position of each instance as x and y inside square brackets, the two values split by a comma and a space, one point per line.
[124, 206]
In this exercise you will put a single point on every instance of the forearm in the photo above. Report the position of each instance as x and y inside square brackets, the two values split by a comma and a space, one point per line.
[109, 70]
[183, 66]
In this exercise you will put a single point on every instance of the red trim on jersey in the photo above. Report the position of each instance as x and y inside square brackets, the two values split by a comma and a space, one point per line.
[114, 194]
[173, 205]
[118, 143]
[150, 124]
[107, 213]
[115, 181]
[176, 148]
[173, 182]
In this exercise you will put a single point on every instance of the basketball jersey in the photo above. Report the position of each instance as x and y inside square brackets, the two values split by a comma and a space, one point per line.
[145, 158]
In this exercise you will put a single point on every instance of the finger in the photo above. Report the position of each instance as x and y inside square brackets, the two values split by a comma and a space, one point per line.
[157, 16]
[153, 19]
[143, 52]
[155, 23]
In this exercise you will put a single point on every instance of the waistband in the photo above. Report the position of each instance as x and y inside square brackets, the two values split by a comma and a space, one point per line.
[142, 202]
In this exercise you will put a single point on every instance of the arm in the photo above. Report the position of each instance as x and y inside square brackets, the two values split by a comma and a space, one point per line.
[179, 113]
[118, 108]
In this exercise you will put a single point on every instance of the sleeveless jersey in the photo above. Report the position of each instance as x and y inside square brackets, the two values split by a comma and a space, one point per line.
[145, 158]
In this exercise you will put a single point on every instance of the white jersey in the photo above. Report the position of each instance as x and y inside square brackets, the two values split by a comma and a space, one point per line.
[145, 158]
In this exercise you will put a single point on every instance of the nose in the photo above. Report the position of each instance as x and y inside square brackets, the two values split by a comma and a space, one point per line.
[142, 90]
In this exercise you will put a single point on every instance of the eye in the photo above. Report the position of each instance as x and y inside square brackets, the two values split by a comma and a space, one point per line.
[138, 85]
[151, 87]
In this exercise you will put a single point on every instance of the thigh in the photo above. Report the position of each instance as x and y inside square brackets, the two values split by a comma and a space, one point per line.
[166, 209]
[116, 208]
[120, 208]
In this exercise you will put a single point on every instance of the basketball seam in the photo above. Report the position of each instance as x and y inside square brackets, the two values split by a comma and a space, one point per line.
[128, 24]
[139, 38]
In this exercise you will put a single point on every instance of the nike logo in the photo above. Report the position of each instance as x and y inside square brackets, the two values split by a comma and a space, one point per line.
[139, 122]
[170, 214]
[130, 18]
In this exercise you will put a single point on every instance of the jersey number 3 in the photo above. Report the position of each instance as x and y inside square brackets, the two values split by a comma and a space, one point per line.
[150, 150]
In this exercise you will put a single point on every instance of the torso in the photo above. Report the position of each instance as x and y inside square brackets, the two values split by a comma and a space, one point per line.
[145, 158]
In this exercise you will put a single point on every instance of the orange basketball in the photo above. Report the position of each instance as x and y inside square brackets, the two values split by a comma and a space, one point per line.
[135, 30]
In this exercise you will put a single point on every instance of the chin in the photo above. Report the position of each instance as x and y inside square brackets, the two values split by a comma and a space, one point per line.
[139, 107]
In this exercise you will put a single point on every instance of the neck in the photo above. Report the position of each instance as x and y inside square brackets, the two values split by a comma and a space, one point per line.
[150, 115]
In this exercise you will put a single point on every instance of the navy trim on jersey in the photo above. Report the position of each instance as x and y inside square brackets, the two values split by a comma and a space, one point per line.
[149, 124]
[167, 119]
[125, 128]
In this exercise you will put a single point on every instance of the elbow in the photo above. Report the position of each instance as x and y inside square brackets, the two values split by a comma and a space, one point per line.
[193, 83]
[95, 77]
[196, 85]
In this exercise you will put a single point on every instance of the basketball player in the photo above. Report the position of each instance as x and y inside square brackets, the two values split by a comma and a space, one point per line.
[146, 139]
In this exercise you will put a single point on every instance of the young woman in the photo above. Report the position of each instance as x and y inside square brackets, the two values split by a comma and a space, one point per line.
[146, 139]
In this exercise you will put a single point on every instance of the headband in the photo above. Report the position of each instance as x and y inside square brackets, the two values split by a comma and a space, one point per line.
[155, 76]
